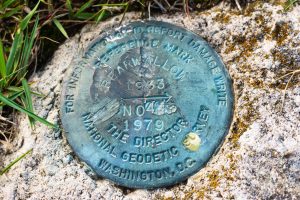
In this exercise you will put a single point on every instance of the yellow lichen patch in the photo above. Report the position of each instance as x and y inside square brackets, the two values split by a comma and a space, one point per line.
[168, 198]
[200, 194]
[213, 178]
[255, 83]
[230, 47]
[245, 67]
[265, 27]
[278, 2]
[228, 172]
[223, 18]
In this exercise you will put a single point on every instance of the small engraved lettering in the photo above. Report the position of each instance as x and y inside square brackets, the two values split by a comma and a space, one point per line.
[202, 119]
[163, 137]
[221, 90]
[121, 135]
[187, 163]
[157, 105]
[69, 103]
[74, 78]
[161, 30]
[132, 175]
[148, 158]
[96, 136]
[178, 52]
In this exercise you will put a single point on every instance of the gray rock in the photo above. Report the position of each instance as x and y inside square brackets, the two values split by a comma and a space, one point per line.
[260, 157]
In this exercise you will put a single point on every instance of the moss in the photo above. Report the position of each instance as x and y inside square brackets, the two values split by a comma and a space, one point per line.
[214, 177]
[246, 44]
[266, 56]
[223, 18]
[249, 45]
[238, 128]
[281, 84]
[280, 32]
[255, 83]
[196, 193]
[259, 19]
[285, 58]
[205, 4]
[267, 30]
[296, 43]
[242, 122]
[288, 62]
[278, 2]
[168, 198]
[251, 7]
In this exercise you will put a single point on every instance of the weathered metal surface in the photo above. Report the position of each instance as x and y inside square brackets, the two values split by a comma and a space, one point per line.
[147, 104]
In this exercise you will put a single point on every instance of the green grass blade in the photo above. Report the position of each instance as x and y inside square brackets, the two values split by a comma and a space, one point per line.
[14, 89]
[2, 83]
[26, 20]
[101, 16]
[13, 96]
[11, 12]
[21, 109]
[289, 4]
[84, 7]
[85, 15]
[111, 4]
[8, 3]
[125, 10]
[2, 61]
[18, 55]
[24, 49]
[13, 51]
[69, 7]
[27, 94]
[10, 76]
[32, 38]
[28, 99]
[25, 103]
[19, 89]
[60, 27]
[14, 162]
[27, 48]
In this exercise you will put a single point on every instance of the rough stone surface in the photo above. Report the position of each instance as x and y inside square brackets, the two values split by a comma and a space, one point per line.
[260, 158]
